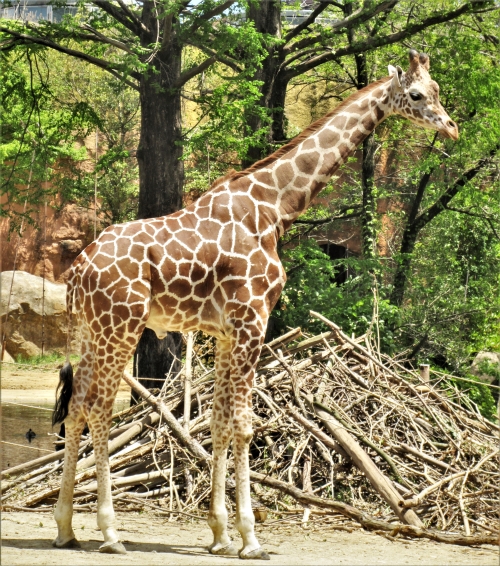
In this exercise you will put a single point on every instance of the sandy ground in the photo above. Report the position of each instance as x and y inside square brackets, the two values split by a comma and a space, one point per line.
[27, 536]
[25, 385]
[26, 539]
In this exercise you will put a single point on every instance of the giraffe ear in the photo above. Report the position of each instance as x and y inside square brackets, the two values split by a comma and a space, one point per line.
[396, 73]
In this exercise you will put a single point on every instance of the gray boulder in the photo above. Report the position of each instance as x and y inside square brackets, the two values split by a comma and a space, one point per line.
[32, 315]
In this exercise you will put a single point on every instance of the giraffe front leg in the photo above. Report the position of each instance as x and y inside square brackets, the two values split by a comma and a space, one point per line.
[217, 515]
[242, 372]
[245, 520]
[221, 435]
[63, 513]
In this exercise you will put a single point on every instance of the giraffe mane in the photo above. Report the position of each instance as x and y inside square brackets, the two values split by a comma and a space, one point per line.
[234, 175]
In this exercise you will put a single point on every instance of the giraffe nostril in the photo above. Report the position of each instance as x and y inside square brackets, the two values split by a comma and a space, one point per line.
[452, 124]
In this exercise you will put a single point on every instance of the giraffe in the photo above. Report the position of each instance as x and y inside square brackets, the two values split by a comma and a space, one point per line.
[212, 266]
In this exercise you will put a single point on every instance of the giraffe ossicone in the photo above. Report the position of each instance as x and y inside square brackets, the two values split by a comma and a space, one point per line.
[212, 266]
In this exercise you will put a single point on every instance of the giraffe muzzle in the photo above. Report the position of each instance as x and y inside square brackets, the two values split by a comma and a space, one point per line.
[449, 130]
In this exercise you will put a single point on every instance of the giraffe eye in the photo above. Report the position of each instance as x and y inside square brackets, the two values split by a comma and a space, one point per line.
[415, 96]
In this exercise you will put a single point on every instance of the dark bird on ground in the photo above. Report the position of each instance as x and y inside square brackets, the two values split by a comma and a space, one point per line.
[30, 435]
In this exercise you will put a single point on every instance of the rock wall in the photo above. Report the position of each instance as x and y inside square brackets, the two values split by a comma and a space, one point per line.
[49, 246]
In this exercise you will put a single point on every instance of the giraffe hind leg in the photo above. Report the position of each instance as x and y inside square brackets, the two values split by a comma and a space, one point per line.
[74, 423]
[101, 396]
[63, 513]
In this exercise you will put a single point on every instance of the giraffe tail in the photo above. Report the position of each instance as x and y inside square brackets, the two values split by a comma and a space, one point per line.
[63, 394]
[65, 387]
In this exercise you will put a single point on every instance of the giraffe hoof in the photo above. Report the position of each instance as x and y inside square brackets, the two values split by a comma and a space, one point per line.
[257, 554]
[229, 550]
[71, 543]
[113, 548]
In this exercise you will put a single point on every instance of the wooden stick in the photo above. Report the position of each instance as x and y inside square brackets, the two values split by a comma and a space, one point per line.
[406, 448]
[357, 378]
[119, 441]
[418, 499]
[129, 480]
[336, 415]
[352, 342]
[317, 432]
[461, 504]
[378, 480]
[294, 334]
[57, 455]
[300, 366]
[178, 431]
[368, 521]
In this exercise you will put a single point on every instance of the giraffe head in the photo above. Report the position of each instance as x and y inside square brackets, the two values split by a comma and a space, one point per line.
[416, 96]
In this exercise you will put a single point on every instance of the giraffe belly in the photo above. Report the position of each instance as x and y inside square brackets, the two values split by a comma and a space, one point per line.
[171, 315]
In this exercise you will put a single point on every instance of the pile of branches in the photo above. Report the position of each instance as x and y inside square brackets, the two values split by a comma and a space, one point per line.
[339, 429]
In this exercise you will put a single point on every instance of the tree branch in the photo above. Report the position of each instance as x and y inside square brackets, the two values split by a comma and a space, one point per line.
[131, 15]
[193, 71]
[308, 21]
[98, 36]
[372, 43]
[210, 14]
[476, 215]
[230, 63]
[121, 16]
[446, 197]
[321, 221]
[358, 17]
[421, 189]
[113, 69]
[412, 229]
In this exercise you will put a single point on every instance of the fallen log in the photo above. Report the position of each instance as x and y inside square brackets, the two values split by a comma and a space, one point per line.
[124, 438]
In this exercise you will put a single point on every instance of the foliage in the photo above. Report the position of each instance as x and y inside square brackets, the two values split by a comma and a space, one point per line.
[452, 297]
[50, 110]
[38, 132]
[312, 284]
[479, 393]
[117, 126]
[222, 132]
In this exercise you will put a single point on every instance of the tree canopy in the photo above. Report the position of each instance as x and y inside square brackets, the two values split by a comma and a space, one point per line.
[180, 91]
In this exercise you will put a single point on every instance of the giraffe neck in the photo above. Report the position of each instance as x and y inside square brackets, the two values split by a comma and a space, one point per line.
[298, 175]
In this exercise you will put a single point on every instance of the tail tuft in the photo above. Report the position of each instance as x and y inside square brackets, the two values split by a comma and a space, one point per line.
[63, 394]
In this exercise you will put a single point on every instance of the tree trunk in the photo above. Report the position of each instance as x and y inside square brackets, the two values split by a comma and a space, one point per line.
[161, 169]
[155, 358]
[403, 267]
[161, 174]
[277, 105]
[267, 19]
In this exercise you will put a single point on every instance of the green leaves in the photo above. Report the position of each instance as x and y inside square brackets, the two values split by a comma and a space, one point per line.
[342, 290]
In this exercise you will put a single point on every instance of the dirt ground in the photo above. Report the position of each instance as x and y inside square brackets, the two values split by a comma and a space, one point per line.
[27, 537]
[14, 377]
